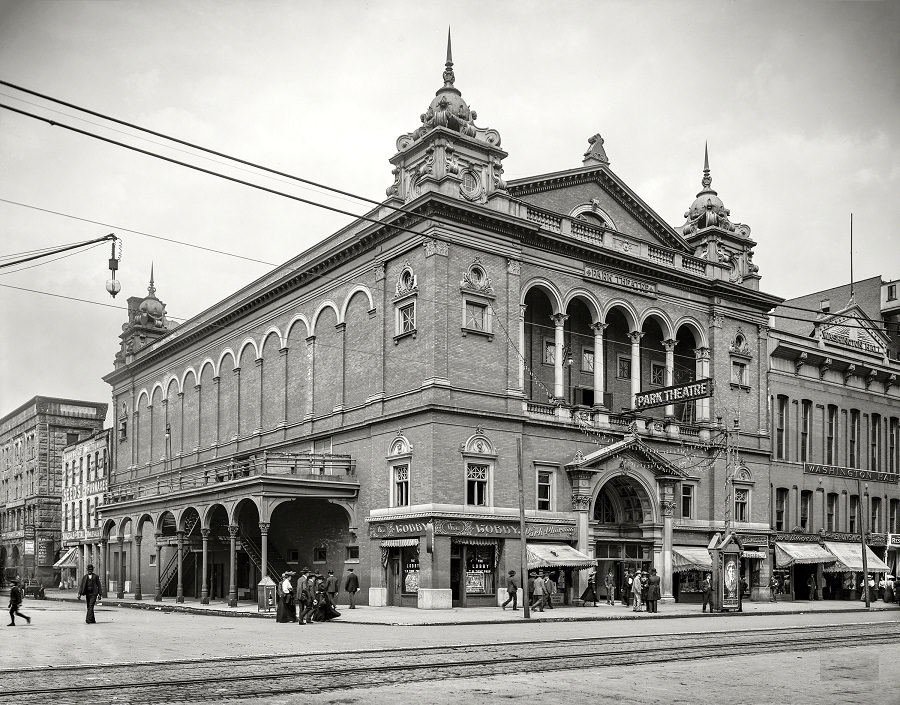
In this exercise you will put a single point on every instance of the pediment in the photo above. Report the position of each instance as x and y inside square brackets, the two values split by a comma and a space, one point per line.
[568, 191]
[852, 328]
[632, 454]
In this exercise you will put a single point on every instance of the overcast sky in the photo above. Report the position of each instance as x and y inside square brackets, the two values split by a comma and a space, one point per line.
[800, 103]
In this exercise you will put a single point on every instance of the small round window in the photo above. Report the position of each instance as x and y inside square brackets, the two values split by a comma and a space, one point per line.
[471, 185]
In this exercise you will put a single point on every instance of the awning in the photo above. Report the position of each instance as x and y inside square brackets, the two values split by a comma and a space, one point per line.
[849, 559]
[475, 541]
[788, 554]
[389, 543]
[557, 555]
[754, 554]
[69, 559]
[690, 558]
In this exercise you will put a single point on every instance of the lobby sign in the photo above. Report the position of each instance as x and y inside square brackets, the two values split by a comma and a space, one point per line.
[853, 473]
[690, 391]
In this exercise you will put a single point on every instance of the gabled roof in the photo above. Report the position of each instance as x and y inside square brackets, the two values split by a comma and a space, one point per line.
[631, 442]
[851, 327]
[615, 187]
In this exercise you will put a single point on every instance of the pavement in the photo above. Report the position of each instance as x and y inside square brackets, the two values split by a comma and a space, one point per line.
[408, 616]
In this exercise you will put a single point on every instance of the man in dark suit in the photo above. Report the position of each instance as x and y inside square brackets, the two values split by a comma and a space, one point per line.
[90, 587]
[15, 599]
[706, 589]
[351, 585]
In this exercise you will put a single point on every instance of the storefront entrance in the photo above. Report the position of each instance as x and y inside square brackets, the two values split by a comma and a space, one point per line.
[619, 557]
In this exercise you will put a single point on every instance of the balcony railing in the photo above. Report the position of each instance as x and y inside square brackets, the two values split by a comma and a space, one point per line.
[306, 466]
[612, 240]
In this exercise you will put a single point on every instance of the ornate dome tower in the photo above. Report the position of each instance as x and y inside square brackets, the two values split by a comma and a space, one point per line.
[714, 237]
[146, 323]
[448, 153]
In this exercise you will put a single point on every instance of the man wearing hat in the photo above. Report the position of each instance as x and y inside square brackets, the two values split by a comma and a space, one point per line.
[331, 586]
[351, 585]
[304, 597]
[90, 587]
[15, 599]
[512, 587]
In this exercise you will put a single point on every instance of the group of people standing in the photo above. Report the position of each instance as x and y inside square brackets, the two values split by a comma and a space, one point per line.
[314, 597]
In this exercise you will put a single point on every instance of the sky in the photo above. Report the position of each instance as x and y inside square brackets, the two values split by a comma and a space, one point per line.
[798, 101]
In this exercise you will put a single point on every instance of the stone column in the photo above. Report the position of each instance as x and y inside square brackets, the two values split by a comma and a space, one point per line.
[199, 416]
[259, 419]
[559, 322]
[794, 512]
[635, 336]
[264, 547]
[667, 506]
[204, 581]
[845, 511]
[237, 405]
[120, 582]
[669, 347]
[157, 596]
[101, 569]
[599, 360]
[179, 590]
[581, 503]
[283, 356]
[522, 356]
[310, 375]
[702, 372]
[136, 550]
[232, 563]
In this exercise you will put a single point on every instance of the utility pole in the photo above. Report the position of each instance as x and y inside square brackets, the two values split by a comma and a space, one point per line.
[731, 463]
[523, 551]
[862, 537]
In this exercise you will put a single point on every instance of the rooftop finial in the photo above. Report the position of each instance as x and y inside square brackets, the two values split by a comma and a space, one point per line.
[707, 179]
[449, 78]
[151, 289]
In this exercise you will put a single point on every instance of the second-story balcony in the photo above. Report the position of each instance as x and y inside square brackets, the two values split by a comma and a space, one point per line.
[292, 469]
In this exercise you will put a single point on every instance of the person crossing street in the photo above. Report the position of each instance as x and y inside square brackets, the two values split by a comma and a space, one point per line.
[90, 587]
[15, 599]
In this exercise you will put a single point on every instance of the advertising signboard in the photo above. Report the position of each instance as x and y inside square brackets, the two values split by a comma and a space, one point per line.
[690, 391]
[730, 582]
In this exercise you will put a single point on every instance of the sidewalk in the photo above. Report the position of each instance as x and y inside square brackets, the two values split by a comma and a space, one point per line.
[406, 616]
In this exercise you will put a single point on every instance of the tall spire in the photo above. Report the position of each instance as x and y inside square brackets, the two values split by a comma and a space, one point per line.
[707, 179]
[151, 289]
[449, 78]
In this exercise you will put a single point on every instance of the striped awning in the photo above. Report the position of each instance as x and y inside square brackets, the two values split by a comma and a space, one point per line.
[390, 543]
[557, 555]
[849, 559]
[69, 559]
[475, 541]
[690, 558]
[788, 554]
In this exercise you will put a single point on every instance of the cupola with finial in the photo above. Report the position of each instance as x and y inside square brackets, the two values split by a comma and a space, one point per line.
[448, 153]
[709, 230]
[147, 322]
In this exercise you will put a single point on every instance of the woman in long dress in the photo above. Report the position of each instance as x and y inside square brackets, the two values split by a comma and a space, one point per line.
[590, 592]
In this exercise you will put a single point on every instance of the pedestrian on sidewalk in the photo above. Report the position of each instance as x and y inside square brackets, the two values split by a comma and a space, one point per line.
[636, 588]
[304, 598]
[531, 577]
[90, 587]
[15, 599]
[512, 587]
[285, 595]
[645, 586]
[610, 584]
[539, 592]
[549, 591]
[626, 588]
[653, 591]
[773, 589]
[811, 584]
[351, 585]
[331, 587]
[590, 593]
[706, 589]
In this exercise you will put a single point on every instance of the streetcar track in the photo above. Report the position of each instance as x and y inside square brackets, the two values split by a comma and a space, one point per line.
[334, 677]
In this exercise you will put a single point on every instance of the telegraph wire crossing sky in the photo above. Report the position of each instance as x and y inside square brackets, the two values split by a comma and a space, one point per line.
[800, 106]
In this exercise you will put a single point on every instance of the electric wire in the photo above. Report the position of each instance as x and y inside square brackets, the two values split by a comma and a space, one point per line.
[55, 259]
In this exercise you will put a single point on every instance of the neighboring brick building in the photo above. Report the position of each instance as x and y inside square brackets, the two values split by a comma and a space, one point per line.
[32, 439]
[836, 434]
[361, 405]
[85, 483]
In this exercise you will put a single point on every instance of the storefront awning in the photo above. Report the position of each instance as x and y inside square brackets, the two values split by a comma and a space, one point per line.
[557, 555]
[390, 543]
[849, 559]
[69, 559]
[788, 554]
[690, 558]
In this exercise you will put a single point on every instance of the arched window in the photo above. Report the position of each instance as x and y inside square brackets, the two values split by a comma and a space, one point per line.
[604, 511]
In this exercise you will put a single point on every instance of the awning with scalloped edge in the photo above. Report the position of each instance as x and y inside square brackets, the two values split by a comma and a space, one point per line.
[849, 559]
[69, 559]
[557, 555]
[788, 554]
[690, 558]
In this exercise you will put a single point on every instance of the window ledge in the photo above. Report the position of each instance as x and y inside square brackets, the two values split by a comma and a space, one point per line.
[474, 331]
[408, 334]
[745, 387]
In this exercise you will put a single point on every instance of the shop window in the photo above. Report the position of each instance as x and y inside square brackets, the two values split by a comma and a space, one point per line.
[623, 367]
[544, 491]
[831, 436]
[687, 501]
[742, 505]
[351, 554]
[320, 555]
[853, 520]
[477, 484]
[409, 556]
[480, 570]
[657, 374]
[587, 360]
[805, 427]
[832, 517]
